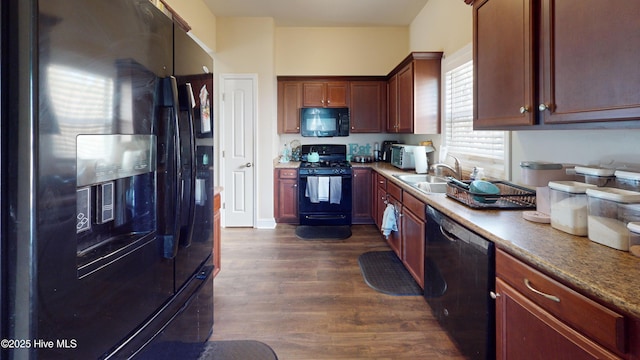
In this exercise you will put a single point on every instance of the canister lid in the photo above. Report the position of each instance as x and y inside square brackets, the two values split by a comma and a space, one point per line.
[615, 194]
[540, 165]
[573, 187]
[634, 227]
[595, 171]
[627, 175]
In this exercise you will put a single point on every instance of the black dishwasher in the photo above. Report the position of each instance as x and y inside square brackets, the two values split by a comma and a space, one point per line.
[459, 276]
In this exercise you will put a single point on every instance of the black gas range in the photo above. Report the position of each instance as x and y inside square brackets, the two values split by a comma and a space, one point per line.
[332, 160]
[324, 185]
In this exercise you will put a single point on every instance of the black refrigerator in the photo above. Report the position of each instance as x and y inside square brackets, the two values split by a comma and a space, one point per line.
[102, 180]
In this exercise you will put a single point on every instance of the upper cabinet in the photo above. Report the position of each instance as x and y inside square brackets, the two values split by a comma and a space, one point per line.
[556, 62]
[365, 96]
[368, 108]
[289, 104]
[414, 95]
[325, 94]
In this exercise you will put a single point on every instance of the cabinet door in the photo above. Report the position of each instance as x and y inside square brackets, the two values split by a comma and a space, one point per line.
[325, 94]
[337, 94]
[217, 234]
[503, 63]
[367, 106]
[525, 331]
[395, 238]
[591, 71]
[361, 190]
[286, 196]
[413, 238]
[405, 100]
[392, 93]
[289, 103]
[313, 94]
[380, 195]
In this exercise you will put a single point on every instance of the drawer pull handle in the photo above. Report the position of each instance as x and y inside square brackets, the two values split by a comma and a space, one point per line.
[550, 297]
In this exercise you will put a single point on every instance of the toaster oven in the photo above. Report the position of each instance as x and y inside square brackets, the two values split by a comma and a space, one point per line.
[402, 156]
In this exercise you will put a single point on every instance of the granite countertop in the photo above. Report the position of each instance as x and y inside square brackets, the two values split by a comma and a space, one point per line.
[609, 276]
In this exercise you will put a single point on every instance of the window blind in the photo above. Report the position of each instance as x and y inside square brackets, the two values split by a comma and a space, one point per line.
[484, 149]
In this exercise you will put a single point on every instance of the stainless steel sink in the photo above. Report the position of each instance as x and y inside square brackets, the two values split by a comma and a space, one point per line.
[424, 182]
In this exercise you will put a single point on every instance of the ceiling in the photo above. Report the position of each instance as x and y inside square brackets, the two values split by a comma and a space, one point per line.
[321, 13]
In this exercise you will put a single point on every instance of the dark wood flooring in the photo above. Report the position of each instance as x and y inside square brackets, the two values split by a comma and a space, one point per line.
[307, 300]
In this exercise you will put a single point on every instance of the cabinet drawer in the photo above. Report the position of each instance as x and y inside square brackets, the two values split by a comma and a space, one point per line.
[394, 190]
[381, 181]
[288, 173]
[414, 205]
[583, 314]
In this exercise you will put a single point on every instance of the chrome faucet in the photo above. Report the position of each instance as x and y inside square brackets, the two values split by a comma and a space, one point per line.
[454, 170]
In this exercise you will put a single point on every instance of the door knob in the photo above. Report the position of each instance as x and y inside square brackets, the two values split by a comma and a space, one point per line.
[249, 164]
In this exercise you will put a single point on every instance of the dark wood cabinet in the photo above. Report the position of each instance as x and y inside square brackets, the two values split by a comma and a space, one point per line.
[414, 229]
[395, 237]
[388, 193]
[325, 94]
[368, 106]
[217, 234]
[286, 196]
[380, 198]
[414, 94]
[556, 63]
[503, 63]
[289, 104]
[361, 196]
[537, 317]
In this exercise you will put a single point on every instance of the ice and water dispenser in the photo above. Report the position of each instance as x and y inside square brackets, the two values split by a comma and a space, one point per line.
[116, 192]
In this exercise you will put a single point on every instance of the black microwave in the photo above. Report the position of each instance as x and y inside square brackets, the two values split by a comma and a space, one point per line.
[324, 122]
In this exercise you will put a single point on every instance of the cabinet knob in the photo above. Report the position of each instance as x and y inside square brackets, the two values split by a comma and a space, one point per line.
[494, 295]
[543, 107]
[524, 109]
[328, 102]
[322, 102]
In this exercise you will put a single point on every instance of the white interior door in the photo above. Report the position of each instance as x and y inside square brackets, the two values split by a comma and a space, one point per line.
[238, 122]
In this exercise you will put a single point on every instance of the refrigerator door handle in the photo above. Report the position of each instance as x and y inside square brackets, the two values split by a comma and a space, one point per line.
[171, 207]
[188, 195]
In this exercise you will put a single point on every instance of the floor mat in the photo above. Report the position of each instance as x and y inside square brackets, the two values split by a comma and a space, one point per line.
[218, 350]
[238, 350]
[309, 232]
[384, 272]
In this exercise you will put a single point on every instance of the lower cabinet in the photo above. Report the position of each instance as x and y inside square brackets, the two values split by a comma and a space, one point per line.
[539, 318]
[216, 233]
[408, 241]
[379, 184]
[285, 204]
[362, 198]
[414, 228]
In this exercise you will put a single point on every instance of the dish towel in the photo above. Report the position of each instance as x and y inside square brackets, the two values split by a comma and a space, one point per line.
[323, 188]
[312, 189]
[335, 189]
[389, 223]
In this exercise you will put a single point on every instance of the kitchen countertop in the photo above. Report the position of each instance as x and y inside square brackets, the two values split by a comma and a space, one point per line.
[609, 276]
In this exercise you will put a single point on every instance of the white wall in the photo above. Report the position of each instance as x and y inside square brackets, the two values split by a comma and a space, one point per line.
[246, 46]
[340, 50]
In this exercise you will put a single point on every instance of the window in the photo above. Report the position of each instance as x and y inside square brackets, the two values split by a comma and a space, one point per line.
[486, 149]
